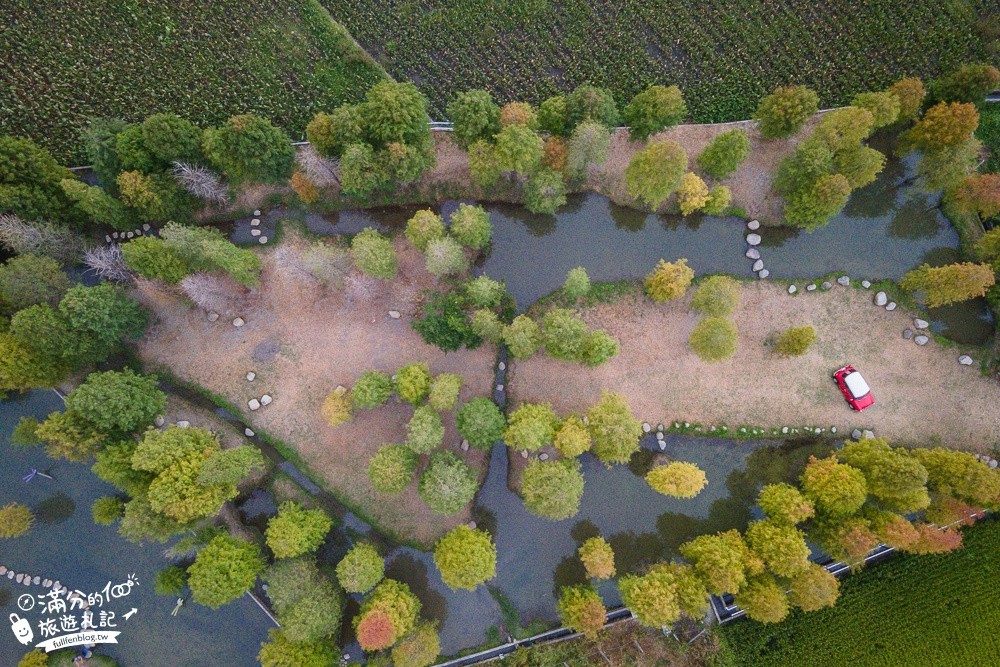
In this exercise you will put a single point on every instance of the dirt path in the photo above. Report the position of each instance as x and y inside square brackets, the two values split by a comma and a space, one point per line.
[923, 396]
[303, 340]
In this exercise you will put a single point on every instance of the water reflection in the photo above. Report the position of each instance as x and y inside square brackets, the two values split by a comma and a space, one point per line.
[917, 218]
[55, 509]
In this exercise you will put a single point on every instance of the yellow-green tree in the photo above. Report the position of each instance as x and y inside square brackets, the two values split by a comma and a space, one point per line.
[942, 285]
[669, 280]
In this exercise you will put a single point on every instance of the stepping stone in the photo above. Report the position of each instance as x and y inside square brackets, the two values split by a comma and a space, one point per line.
[3, 570]
[253, 404]
[146, 227]
[663, 445]
[262, 240]
[394, 314]
[784, 429]
[499, 387]
[502, 366]
[844, 281]
[866, 284]
[107, 239]
[265, 400]
[114, 235]
[753, 239]
[833, 429]
[36, 580]
[921, 340]
[753, 253]
[159, 421]
[891, 306]
[881, 298]
[856, 434]
[826, 285]
[138, 232]
[251, 376]
[248, 432]
[810, 288]
[907, 334]
[965, 360]
[46, 583]
[10, 575]
[19, 578]
[792, 289]
[763, 273]
[659, 436]
[524, 454]
[993, 463]
[238, 322]
[465, 445]
[659, 428]
[212, 316]
[130, 235]
[254, 232]
[544, 457]
[753, 225]
[920, 324]
[256, 213]
[183, 423]
[254, 222]
[646, 428]
[758, 265]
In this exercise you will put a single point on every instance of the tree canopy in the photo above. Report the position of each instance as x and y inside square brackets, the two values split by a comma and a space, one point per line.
[466, 558]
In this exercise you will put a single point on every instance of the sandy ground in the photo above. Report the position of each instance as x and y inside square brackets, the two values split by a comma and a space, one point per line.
[923, 396]
[303, 340]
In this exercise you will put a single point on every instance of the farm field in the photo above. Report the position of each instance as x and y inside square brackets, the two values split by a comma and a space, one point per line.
[913, 611]
[63, 62]
[724, 54]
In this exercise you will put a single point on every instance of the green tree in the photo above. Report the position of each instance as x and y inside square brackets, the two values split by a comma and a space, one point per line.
[224, 570]
[282, 652]
[101, 207]
[374, 255]
[27, 280]
[171, 581]
[484, 292]
[572, 437]
[844, 129]
[444, 392]
[581, 609]
[960, 475]
[249, 147]
[783, 113]
[653, 597]
[518, 149]
[470, 225]
[577, 283]
[910, 93]
[104, 316]
[360, 171]
[668, 281]
[795, 341]
[100, 143]
[474, 116]
[447, 484]
[107, 509]
[171, 138]
[483, 164]
[15, 520]
[413, 382]
[653, 110]
[615, 431]
[949, 284]
[722, 157]
[133, 154]
[859, 165]
[117, 401]
[40, 349]
[424, 431]
[141, 523]
[717, 296]
[153, 198]
[425, 226]
[969, 84]
[884, 107]
[523, 337]
[655, 172]
[307, 604]
[466, 558]
[813, 207]
[205, 249]
[420, 648]
[69, 436]
[30, 182]
[361, 569]
[588, 145]
[445, 257]
[114, 466]
[714, 339]
[25, 433]
[598, 347]
[530, 427]
[837, 490]
[155, 259]
[677, 479]
[481, 422]
[782, 503]
[763, 600]
[388, 614]
[692, 196]
[893, 477]
[781, 546]
[598, 558]
[395, 112]
[296, 531]
[545, 192]
[941, 126]
[564, 334]
[947, 168]
[392, 468]
[552, 489]
[487, 325]
[444, 322]
[590, 103]
[331, 134]
[371, 390]
[722, 561]
[718, 200]
[552, 116]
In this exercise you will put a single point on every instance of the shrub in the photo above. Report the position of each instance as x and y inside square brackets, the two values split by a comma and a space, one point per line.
[475, 117]
[552, 489]
[424, 431]
[545, 192]
[784, 112]
[577, 283]
[466, 558]
[713, 339]
[722, 157]
[361, 569]
[296, 531]
[531, 427]
[653, 598]
[424, 227]
[590, 103]
[655, 172]
[487, 325]
[949, 284]
[282, 652]
[154, 197]
[941, 126]
[331, 134]
[782, 503]
[413, 382]
[388, 614]
[308, 606]
[444, 323]
[481, 422]
[717, 296]
[794, 341]
[26, 280]
[155, 259]
[615, 431]
[337, 407]
[653, 110]
[668, 281]
[445, 257]
[205, 249]
[781, 546]
[448, 484]
[470, 225]
[837, 489]
[598, 558]
[572, 437]
[552, 116]
[959, 475]
[231, 466]
[374, 255]
[371, 390]
[484, 292]
[114, 401]
[392, 468]
[249, 147]
[224, 570]
[68, 436]
[722, 561]
[30, 179]
[444, 391]
[884, 107]
[693, 194]
[581, 609]
[518, 113]
[107, 509]
[677, 479]
[15, 520]
[910, 93]
[522, 337]
[518, 149]
[171, 580]
[763, 600]
[588, 145]
[361, 171]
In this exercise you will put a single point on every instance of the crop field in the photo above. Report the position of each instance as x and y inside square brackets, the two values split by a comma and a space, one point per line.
[724, 54]
[912, 611]
[64, 61]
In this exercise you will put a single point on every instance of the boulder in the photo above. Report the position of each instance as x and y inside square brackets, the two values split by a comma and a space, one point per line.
[833, 429]
[265, 400]
[238, 322]
[965, 360]
[907, 334]
[183, 423]
[248, 432]
[920, 324]
[212, 316]
[993, 463]
[753, 253]
[107, 239]
[856, 434]
[763, 273]
[253, 404]
[868, 435]
[792, 289]
[3, 570]
[810, 288]
[891, 306]
[114, 235]
[394, 314]
[659, 428]
[866, 284]
[921, 340]
[130, 234]
[660, 436]
[881, 298]
[758, 265]
[543, 456]
[472, 526]
[251, 376]
[784, 429]
[262, 240]
[753, 239]
[826, 285]
[844, 281]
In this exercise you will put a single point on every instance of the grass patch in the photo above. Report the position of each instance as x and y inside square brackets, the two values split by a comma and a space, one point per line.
[723, 55]
[912, 611]
[66, 61]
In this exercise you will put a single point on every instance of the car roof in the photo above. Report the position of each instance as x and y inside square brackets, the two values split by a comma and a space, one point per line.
[856, 384]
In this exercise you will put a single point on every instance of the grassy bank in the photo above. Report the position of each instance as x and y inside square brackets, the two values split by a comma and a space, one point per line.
[915, 611]
[66, 61]
[724, 55]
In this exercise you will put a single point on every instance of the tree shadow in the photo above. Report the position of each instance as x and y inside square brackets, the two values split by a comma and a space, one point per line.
[915, 219]
[569, 572]
[627, 219]
[413, 573]
[583, 531]
[55, 509]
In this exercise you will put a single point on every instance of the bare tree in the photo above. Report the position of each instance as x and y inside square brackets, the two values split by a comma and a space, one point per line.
[361, 289]
[211, 291]
[321, 171]
[40, 238]
[108, 264]
[201, 182]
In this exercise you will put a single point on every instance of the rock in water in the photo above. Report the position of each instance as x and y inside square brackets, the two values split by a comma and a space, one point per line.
[753, 239]
[763, 273]
[758, 265]
[753, 253]
[254, 232]
[881, 298]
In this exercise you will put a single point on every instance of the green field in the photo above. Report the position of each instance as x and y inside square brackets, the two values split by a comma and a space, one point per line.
[912, 611]
[724, 54]
[64, 61]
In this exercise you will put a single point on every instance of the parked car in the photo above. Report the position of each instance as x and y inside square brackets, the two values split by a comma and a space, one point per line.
[853, 386]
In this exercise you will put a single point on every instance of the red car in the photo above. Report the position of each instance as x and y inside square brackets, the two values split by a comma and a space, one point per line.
[855, 389]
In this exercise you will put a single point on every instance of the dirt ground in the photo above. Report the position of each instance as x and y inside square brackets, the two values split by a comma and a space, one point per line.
[923, 396]
[303, 340]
